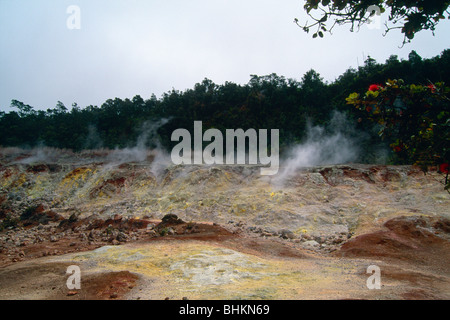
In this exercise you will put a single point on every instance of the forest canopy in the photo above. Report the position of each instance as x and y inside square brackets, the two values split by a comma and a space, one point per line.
[269, 102]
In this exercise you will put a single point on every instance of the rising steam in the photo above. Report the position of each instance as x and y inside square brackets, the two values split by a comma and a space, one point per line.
[336, 143]
[147, 146]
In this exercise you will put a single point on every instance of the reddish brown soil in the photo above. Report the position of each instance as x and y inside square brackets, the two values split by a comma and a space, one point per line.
[104, 286]
[114, 285]
[34, 251]
[110, 186]
[420, 241]
[415, 252]
[38, 168]
[28, 279]
[236, 240]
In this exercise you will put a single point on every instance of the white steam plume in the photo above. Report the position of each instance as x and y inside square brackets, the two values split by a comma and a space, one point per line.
[142, 152]
[334, 144]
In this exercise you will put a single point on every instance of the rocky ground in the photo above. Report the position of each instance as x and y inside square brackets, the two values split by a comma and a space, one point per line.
[142, 230]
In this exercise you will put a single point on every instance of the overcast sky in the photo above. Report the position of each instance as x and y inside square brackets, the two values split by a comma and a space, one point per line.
[140, 47]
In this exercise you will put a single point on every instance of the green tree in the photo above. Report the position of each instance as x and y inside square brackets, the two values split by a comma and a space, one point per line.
[414, 118]
[411, 16]
[24, 109]
[314, 96]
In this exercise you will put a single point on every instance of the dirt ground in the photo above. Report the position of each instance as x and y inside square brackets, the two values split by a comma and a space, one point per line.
[225, 232]
[412, 252]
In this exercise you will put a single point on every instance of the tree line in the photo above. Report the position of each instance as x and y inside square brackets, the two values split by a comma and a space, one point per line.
[270, 101]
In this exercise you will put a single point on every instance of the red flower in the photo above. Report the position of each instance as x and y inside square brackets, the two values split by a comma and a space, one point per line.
[375, 87]
[432, 87]
[443, 168]
[397, 149]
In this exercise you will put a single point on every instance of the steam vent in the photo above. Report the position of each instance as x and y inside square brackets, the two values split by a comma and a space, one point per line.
[143, 228]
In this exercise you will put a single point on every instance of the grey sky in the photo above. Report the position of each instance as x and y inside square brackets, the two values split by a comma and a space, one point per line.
[140, 47]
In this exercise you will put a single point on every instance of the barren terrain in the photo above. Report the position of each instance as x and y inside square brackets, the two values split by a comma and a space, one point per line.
[141, 230]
